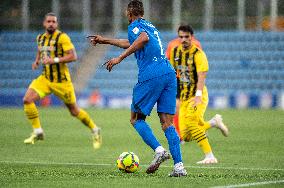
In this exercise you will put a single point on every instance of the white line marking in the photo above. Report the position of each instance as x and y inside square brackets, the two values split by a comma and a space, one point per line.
[165, 166]
[250, 184]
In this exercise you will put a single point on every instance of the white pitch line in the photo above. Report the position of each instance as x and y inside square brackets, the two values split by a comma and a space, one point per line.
[250, 184]
[165, 166]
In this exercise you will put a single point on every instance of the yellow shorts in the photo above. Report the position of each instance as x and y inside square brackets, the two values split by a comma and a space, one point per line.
[190, 116]
[64, 90]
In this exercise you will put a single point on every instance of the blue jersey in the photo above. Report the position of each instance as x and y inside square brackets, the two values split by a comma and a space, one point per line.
[151, 59]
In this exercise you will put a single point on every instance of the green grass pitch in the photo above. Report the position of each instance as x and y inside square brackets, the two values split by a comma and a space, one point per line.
[254, 151]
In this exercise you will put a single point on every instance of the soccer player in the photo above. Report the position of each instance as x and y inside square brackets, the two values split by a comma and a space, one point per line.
[172, 44]
[191, 66]
[55, 51]
[156, 84]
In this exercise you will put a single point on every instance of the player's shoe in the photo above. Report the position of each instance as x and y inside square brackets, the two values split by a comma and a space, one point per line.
[220, 125]
[209, 160]
[158, 159]
[97, 139]
[178, 172]
[33, 138]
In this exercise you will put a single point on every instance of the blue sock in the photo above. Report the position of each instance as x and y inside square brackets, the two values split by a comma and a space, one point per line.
[146, 133]
[174, 143]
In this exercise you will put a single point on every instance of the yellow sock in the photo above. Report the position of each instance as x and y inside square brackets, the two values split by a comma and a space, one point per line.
[32, 114]
[206, 126]
[205, 146]
[198, 134]
[84, 117]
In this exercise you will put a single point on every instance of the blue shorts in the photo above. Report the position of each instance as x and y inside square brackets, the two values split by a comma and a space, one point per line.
[161, 90]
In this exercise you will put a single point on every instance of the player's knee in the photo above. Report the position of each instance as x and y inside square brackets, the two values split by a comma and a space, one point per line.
[27, 100]
[74, 112]
[165, 125]
[132, 121]
[166, 121]
[138, 117]
[185, 136]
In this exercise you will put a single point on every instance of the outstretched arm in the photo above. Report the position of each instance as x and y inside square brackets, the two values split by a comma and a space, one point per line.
[97, 39]
[136, 45]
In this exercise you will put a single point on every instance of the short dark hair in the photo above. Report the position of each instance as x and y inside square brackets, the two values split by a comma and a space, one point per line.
[186, 28]
[49, 14]
[136, 8]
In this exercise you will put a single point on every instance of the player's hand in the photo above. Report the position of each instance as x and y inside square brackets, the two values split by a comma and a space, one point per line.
[96, 39]
[47, 60]
[35, 65]
[114, 61]
[196, 101]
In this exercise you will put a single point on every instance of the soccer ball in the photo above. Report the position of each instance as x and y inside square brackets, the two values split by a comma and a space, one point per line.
[128, 162]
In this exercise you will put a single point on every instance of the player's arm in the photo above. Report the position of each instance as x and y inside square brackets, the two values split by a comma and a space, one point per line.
[69, 56]
[202, 69]
[97, 39]
[37, 60]
[201, 80]
[136, 45]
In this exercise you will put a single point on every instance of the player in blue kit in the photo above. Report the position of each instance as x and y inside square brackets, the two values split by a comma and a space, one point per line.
[156, 84]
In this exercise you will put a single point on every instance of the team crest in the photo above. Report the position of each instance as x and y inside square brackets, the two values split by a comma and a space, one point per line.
[135, 30]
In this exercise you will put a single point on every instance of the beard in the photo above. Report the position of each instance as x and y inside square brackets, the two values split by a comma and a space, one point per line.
[185, 44]
[50, 30]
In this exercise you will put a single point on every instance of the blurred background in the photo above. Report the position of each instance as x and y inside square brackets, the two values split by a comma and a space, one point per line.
[243, 40]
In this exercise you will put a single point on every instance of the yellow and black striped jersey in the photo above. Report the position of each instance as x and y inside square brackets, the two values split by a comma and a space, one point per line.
[55, 45]
[187, 63]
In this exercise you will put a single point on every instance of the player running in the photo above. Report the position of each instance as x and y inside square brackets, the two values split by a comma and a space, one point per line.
[172, 44]
[55, 50]
[191, 66]
[156, 84]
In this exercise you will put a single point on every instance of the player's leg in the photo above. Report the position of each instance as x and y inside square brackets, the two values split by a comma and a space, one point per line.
[65, 91]
[197, 133]
[85, 118]
[176, 117]
[144, 130]
[37, 90]
[145, 96]
[215, 122]
[174, 144]
[166, 106]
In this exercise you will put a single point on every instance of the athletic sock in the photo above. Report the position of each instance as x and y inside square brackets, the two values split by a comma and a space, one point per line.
[146, 133]
[84, 117]
[198, 134]
[159, 149]
[32, 115]
[205, 146]
[206, 125]
[209, 155]
[38, 131]
[179, 166]
[174, 144]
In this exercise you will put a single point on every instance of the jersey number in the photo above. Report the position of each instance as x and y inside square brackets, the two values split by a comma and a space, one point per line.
[160, 42]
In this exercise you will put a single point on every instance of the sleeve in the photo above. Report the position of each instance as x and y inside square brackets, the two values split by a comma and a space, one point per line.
[66, 43]
[135, 31]
[201, 62]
